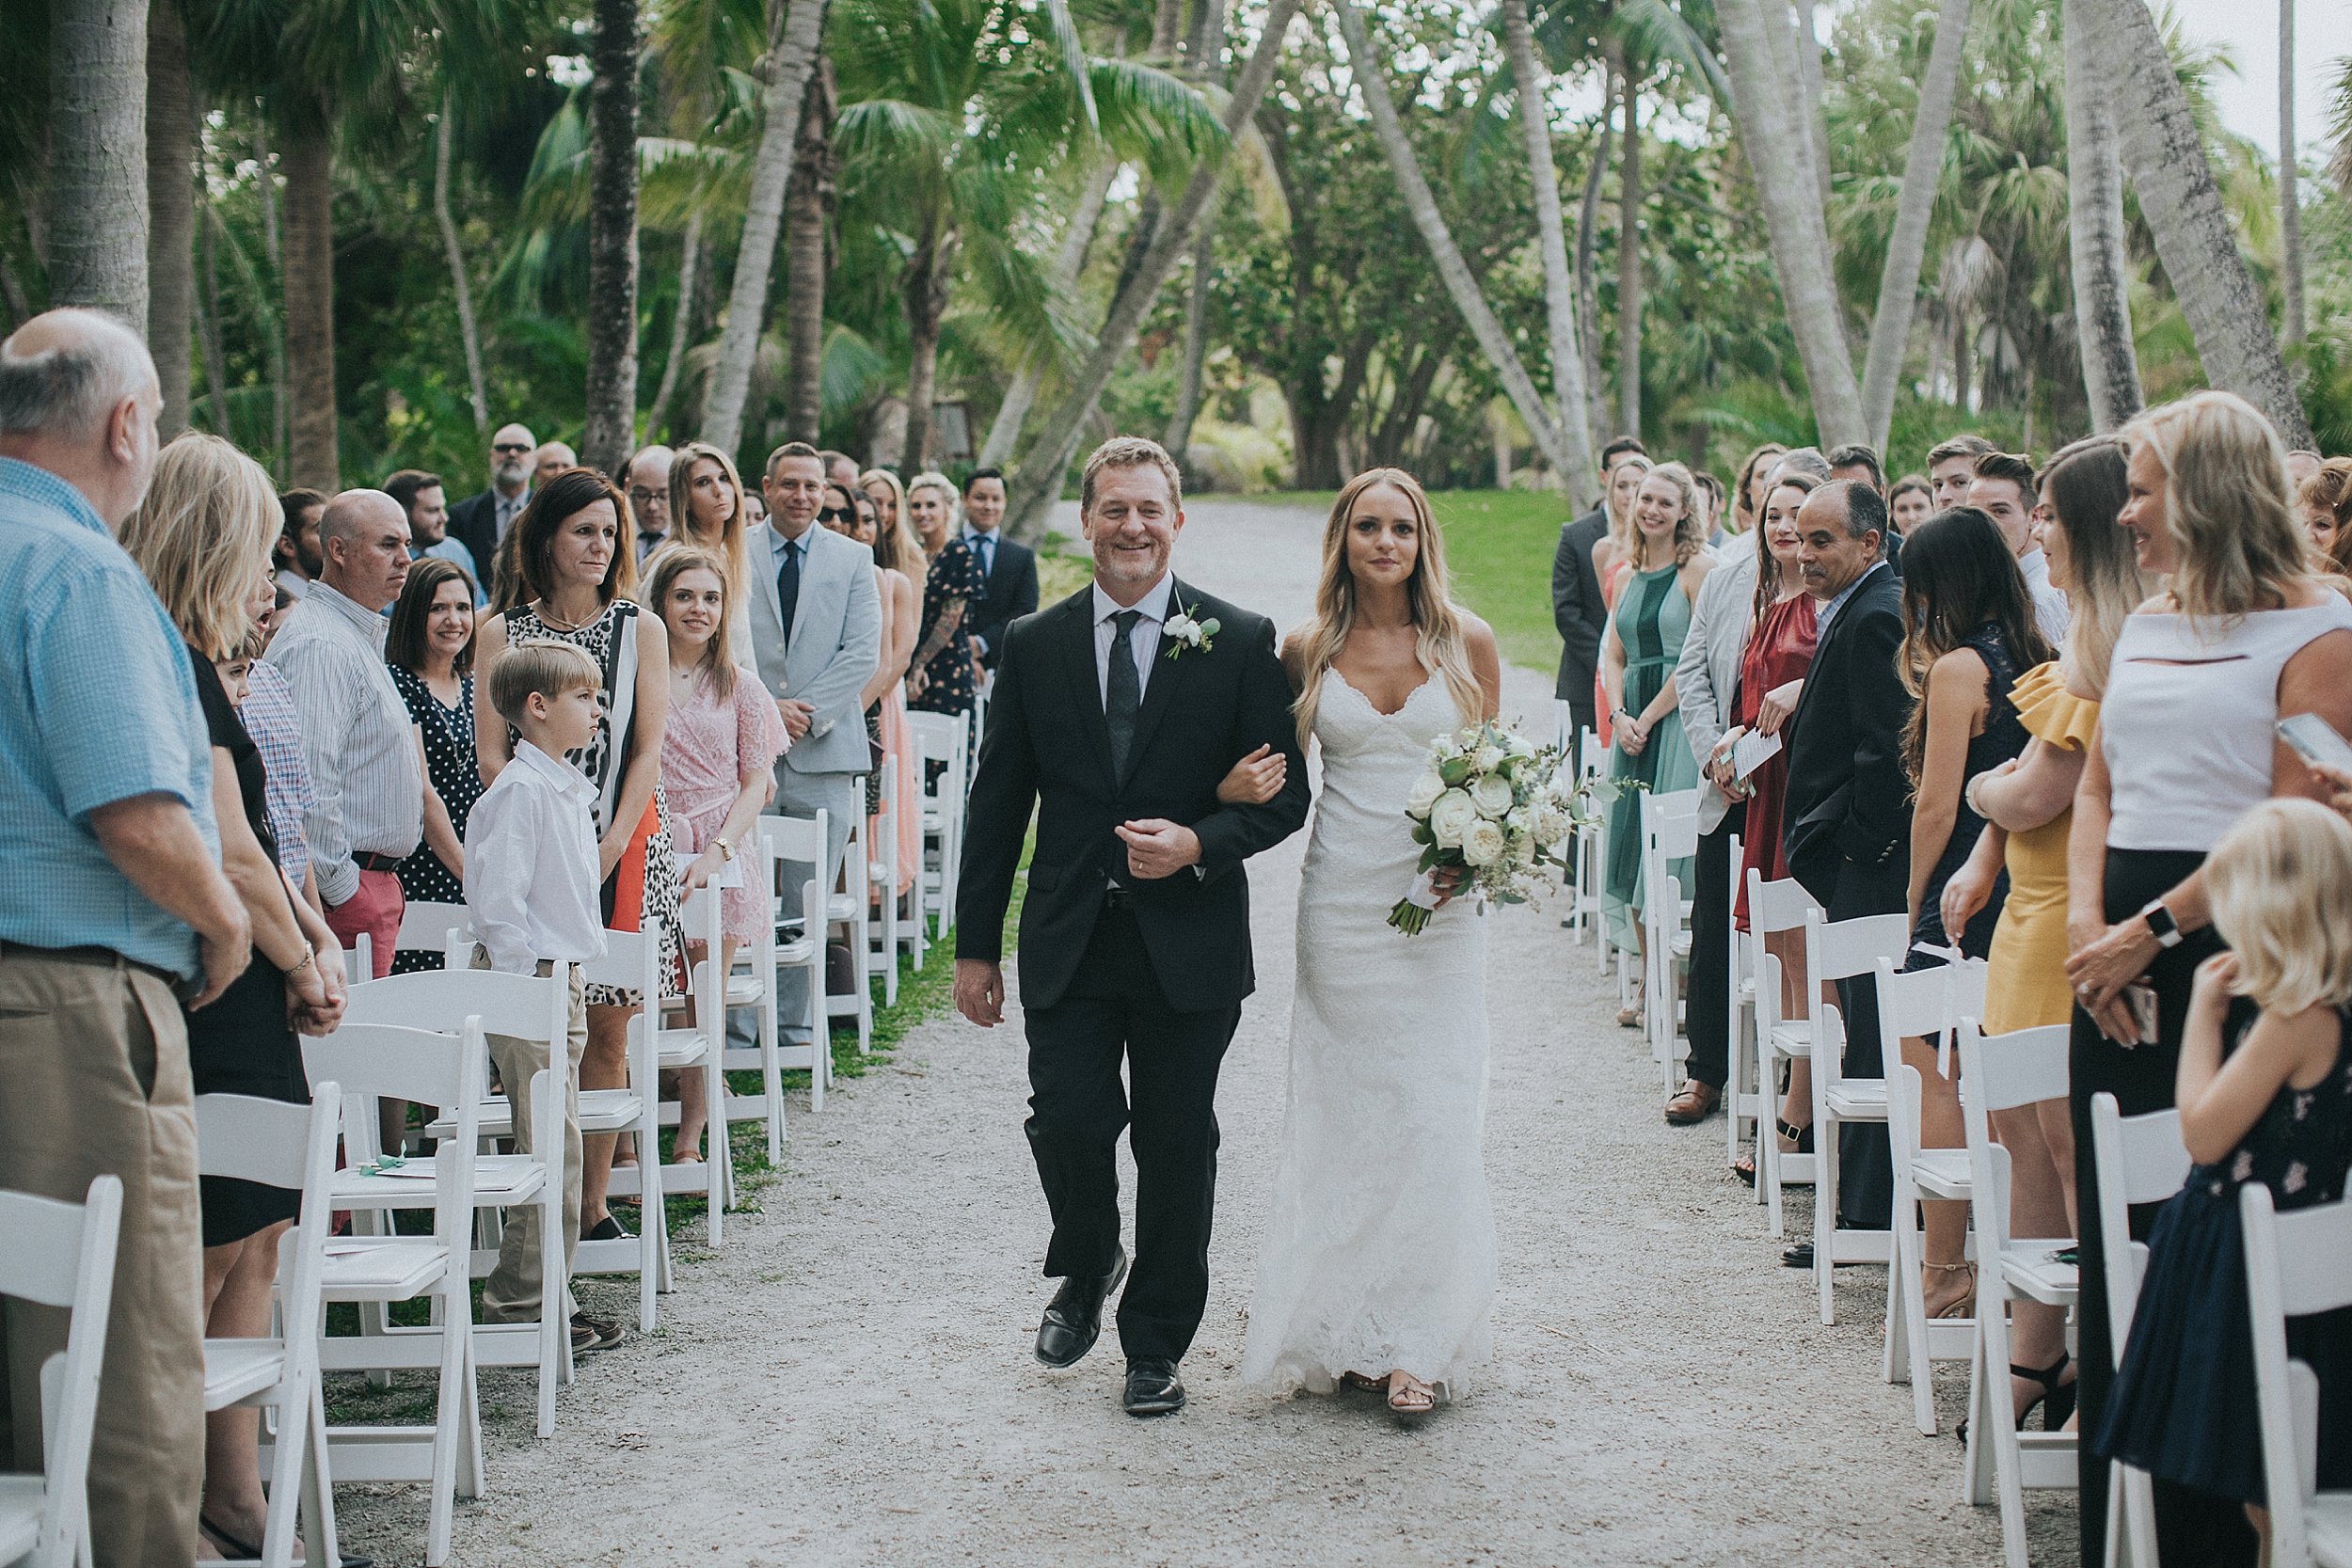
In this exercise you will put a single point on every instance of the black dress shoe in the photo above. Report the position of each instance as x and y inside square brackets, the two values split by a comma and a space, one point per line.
[1798, 1257]
[1153, 1387]
[1074, 1319]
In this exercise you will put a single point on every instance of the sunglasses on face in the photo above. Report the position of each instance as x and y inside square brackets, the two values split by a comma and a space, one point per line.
[510, 446]
[835, 515]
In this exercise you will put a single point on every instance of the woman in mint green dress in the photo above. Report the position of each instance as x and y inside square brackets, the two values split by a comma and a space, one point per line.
[1644, 638]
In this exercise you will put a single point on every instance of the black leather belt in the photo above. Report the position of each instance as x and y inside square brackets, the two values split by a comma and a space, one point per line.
[367, 859]
[97, 957]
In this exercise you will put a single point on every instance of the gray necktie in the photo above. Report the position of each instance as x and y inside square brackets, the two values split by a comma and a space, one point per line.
[1124, 691]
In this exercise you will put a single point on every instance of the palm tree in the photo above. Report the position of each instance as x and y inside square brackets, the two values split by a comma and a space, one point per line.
[1581, 475]
[1205, 49]
[2182, 205]
[808, 209]
[170, 210]
[795, 29]
[1077, 240]
[2290, 213]
[469, 331]
[2095, 236]
[610, 434]
[96, 217]
[1366, 68]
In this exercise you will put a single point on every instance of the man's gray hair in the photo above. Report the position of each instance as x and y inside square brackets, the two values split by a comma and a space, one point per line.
[1803, 460]
[91, 363]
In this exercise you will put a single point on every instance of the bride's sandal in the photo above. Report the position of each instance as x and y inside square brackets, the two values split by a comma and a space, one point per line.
[1409, 1396]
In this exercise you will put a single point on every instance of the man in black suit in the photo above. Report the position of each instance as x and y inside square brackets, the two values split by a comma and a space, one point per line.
[1008, 567]
[1134, 939]
[1847, 814]
[481, 522]
[1577, 606]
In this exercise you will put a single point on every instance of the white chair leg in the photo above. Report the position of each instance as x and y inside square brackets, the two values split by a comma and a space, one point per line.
[1825, 1210]
[449, 1415]
[288, 1470]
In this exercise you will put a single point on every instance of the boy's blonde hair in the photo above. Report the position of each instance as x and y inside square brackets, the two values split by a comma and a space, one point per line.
[539, 667]
[2280, 886]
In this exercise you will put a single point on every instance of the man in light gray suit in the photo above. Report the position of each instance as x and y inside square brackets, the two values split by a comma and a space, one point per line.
[816, 636]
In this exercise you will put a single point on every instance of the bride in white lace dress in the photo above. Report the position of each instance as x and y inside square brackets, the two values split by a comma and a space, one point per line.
[1379, 1266]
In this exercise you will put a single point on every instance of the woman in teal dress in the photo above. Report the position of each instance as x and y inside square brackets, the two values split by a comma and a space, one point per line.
[1644, 638]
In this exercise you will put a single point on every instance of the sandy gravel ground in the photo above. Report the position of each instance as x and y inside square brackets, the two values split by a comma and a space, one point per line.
[850, 1381]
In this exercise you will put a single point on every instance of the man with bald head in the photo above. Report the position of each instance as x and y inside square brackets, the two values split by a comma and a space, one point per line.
[550, 459]
[1847, 818]
[113, 909]
[649, 498]
[480, 522]
[368, 813]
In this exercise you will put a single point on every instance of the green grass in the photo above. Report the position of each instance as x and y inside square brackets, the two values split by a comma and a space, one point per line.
[1499, 545]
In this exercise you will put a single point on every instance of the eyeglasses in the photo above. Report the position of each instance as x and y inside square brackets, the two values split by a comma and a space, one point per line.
[639, 495]
[511, 446]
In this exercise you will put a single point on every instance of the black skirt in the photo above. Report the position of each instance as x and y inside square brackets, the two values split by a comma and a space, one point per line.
[242, 1044]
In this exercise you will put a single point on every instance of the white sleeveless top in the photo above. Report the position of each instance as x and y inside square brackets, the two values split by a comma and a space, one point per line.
[2187, 724]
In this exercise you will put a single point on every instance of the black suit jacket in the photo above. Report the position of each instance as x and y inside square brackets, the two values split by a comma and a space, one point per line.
[1577, 608]
[1011, 594]
[1848, 795]
[1048, 746]
[474, 523]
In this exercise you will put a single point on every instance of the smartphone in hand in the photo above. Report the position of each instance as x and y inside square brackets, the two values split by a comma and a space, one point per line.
[2315, 740]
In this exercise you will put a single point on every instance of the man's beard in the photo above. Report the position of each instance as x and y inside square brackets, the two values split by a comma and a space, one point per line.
[513, 473]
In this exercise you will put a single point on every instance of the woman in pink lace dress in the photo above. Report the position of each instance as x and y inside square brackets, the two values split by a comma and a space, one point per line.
[722, 738]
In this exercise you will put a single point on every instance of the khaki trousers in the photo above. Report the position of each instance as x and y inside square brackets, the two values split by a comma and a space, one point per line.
[94, 1080]
[511, 1295]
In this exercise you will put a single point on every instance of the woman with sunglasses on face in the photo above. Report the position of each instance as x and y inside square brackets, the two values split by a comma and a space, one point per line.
[852, 516]
[944, 677]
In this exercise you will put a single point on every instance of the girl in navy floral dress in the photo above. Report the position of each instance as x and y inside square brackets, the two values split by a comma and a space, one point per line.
[2278, 1110]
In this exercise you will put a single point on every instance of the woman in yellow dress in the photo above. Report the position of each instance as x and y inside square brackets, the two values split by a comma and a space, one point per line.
[2029, 808]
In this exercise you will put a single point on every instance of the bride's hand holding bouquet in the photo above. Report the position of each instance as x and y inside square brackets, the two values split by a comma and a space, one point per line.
[1490, 811]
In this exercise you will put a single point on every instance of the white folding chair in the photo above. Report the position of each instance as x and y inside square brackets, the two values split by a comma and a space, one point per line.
[791, 936]
[371, 1061]
[881, 950]
[1773, 907]
[1925, 1004]
[2001, 1072]
[60, 1255]
[1842, 950]
[847, 913]
[632, 959]
[700, 1048]
[430, 927]
[2140, 1160]
[1670, 833]
[941, 738]
[2297, 1263]
[1742, 1104]
[533, 1007]
[292, 1147]
[1588, 853]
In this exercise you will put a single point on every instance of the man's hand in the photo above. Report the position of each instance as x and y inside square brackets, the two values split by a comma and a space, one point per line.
[1157, 848]
[224, 956]
[980, 991]
[797, 716]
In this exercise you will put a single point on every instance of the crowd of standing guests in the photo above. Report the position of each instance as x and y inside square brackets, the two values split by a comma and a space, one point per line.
[2032, 709]
[249, 728]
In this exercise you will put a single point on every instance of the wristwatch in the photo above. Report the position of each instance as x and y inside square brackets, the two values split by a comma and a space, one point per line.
[2161, 925]
[726, 849]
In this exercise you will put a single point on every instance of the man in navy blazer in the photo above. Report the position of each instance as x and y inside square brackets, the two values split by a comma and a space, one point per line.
[1008, 567]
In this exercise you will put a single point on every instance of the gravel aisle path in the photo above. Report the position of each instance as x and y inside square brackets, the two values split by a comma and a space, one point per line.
[849, 1380]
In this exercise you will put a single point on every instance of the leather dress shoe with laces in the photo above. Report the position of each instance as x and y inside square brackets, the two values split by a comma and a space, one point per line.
[1153, 1387]
[1074, 1319]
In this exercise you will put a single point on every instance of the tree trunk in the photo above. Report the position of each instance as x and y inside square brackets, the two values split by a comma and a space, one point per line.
[1038, 483]
[1067, 262]
[1580, 477]
[311, 459]
[1629, 261]
[208, 325]
[1365, 66]
[1205, 53]
[608, 435]
[1778, 154]
[1964, 358]
[2289, 213]
[681, 325]
[1907, 245]
[2183, 208]
[468, 332]
[808, 205]
[1807, 39]
[98, 157]
[2095, 236]
[266, 180]
[1587, 282]
[929, 279]
[795, 29]
[170, 210]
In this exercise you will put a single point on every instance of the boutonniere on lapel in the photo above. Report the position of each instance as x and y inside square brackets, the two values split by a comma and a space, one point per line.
[1186, 632]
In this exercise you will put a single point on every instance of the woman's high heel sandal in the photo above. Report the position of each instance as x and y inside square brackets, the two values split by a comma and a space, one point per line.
[1963, 1305]
[2057, 1398]
[1631, 1014]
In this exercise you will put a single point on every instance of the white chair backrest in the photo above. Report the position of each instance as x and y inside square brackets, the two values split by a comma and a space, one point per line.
[359, 960]
[1926, 1003]
[2296, 1264]
[430, 927]
[2140, 1160]
[2000, 1073]
[798, 839]
[1847, 949]
[528, 1006]
[1592, 756]
[1779, 905]
[63, 1255]
[941, 738]
[1672, 822]
[279, 1144]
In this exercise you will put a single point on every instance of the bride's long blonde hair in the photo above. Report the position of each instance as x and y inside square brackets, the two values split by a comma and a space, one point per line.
[1438, 639]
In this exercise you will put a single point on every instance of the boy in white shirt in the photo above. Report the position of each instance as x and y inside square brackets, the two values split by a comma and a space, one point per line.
[532, 890]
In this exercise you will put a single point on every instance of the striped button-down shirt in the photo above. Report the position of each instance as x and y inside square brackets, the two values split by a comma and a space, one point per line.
[277, 731]
[97, 706]
[355, 736]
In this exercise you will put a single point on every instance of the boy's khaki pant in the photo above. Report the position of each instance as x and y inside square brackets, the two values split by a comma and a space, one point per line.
[511, 1295]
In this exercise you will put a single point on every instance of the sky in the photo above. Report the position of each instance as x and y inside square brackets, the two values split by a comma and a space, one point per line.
[2250, 98]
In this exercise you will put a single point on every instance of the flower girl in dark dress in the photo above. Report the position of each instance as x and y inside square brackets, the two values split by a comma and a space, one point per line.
[2278, 1110]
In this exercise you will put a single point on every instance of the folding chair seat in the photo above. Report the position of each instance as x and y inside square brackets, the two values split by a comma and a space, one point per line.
[699, 1047]
[2140, 1160]
[1775, 907]
[786, 941]
[60, 1255]
[1670, 833]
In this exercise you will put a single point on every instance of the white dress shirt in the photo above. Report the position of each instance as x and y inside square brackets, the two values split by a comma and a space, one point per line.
[2051, 611]
[1144, 641]
[356, 735]
[531, 866]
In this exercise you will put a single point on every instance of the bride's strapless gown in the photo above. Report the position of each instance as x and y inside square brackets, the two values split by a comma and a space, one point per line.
[1380, 1249]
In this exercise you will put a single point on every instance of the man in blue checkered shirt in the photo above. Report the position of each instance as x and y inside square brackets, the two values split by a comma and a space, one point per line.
[113, 909]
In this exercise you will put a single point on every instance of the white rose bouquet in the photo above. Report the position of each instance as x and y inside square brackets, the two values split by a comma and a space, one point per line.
[1493, 806]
